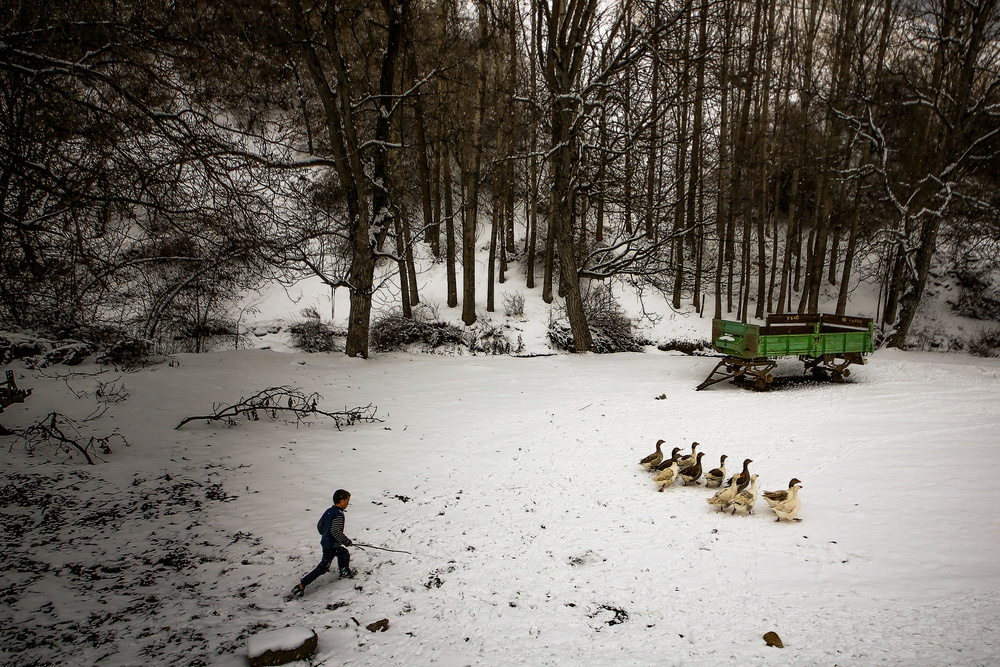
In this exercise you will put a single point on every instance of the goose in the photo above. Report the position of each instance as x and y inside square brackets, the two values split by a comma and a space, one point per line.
[745, 499]
[688, 460]
[653, 459]
[724, 497]
[743, 476]
[666, 462]
[692, 474]
[775, 497]
[714, 477]
[790, 506]
[668, 475]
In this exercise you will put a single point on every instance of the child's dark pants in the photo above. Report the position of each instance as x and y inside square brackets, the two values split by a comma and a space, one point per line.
[343, 560]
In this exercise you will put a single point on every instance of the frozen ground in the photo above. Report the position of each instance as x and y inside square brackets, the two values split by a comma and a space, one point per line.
[534, 536]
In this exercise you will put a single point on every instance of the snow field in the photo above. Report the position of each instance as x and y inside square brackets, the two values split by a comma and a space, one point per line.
[534, 535]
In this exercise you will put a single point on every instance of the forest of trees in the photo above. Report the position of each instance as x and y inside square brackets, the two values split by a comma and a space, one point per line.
[158, 157]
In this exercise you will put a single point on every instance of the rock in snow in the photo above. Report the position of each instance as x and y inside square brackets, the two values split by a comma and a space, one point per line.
[379, 626]
[279, 647]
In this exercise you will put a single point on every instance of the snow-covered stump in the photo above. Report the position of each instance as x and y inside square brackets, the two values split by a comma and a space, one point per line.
[279, 647]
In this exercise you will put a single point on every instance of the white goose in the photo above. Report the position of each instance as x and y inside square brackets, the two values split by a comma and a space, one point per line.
[668, 475]
[724, 497]
[775, 497]
[790, 506]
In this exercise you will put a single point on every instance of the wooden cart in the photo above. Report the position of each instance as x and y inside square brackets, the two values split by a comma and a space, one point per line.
[827, 344]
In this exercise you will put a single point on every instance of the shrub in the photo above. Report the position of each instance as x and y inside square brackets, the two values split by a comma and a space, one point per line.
[979, 298]
[392, 331]
[489, 338]
[312, 335]
[986, 344]
[610, 328]
[513, 304]
[685, 346]
[202, 335]
[20, 348]
[126, 353]
[426, 312]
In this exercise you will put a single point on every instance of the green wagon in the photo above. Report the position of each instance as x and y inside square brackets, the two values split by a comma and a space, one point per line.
[827, 344]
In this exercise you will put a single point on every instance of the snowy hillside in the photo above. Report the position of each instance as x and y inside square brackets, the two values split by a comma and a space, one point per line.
[937, 326]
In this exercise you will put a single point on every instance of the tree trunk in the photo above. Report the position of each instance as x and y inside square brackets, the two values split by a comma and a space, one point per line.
[472, 184]
[449, 229]
[491, 266]
[431, 233]
[680, 166]
[652, 153]
[695, 185]
[549, 268]
[404, 276]
[532, 216]
[567, 31]
[723, 195]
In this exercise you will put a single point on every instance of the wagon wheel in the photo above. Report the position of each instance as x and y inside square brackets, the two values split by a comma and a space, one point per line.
[760, 383]
[838, 376]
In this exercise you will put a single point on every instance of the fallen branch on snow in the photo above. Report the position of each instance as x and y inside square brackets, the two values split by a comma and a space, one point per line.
[63, 432]
[284, 401]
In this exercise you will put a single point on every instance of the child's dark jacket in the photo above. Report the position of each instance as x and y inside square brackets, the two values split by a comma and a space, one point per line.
[334, 536]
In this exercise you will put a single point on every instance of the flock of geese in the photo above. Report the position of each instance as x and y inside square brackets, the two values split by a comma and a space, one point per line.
[739, 492]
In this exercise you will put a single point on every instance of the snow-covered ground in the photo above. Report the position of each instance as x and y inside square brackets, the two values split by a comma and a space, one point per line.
[531, 534]
[534, 536]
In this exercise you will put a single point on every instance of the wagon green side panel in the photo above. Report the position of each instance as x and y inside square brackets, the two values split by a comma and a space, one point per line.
[843, 343]
[791, 345]
[736, 339]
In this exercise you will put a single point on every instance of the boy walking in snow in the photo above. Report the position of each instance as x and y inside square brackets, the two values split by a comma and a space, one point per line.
[333, 541]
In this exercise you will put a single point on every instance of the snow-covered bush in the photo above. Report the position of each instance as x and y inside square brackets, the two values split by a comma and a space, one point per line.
[986, 344]
[513, 304]
[126, 353]
[19, 347]
[610, 327]
[392, 331]
[312, 335]
[203, 334]
[490, 338]
[980, 297]
[684, 345]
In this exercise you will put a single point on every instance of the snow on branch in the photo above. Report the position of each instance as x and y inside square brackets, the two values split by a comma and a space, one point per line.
[286, 401]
